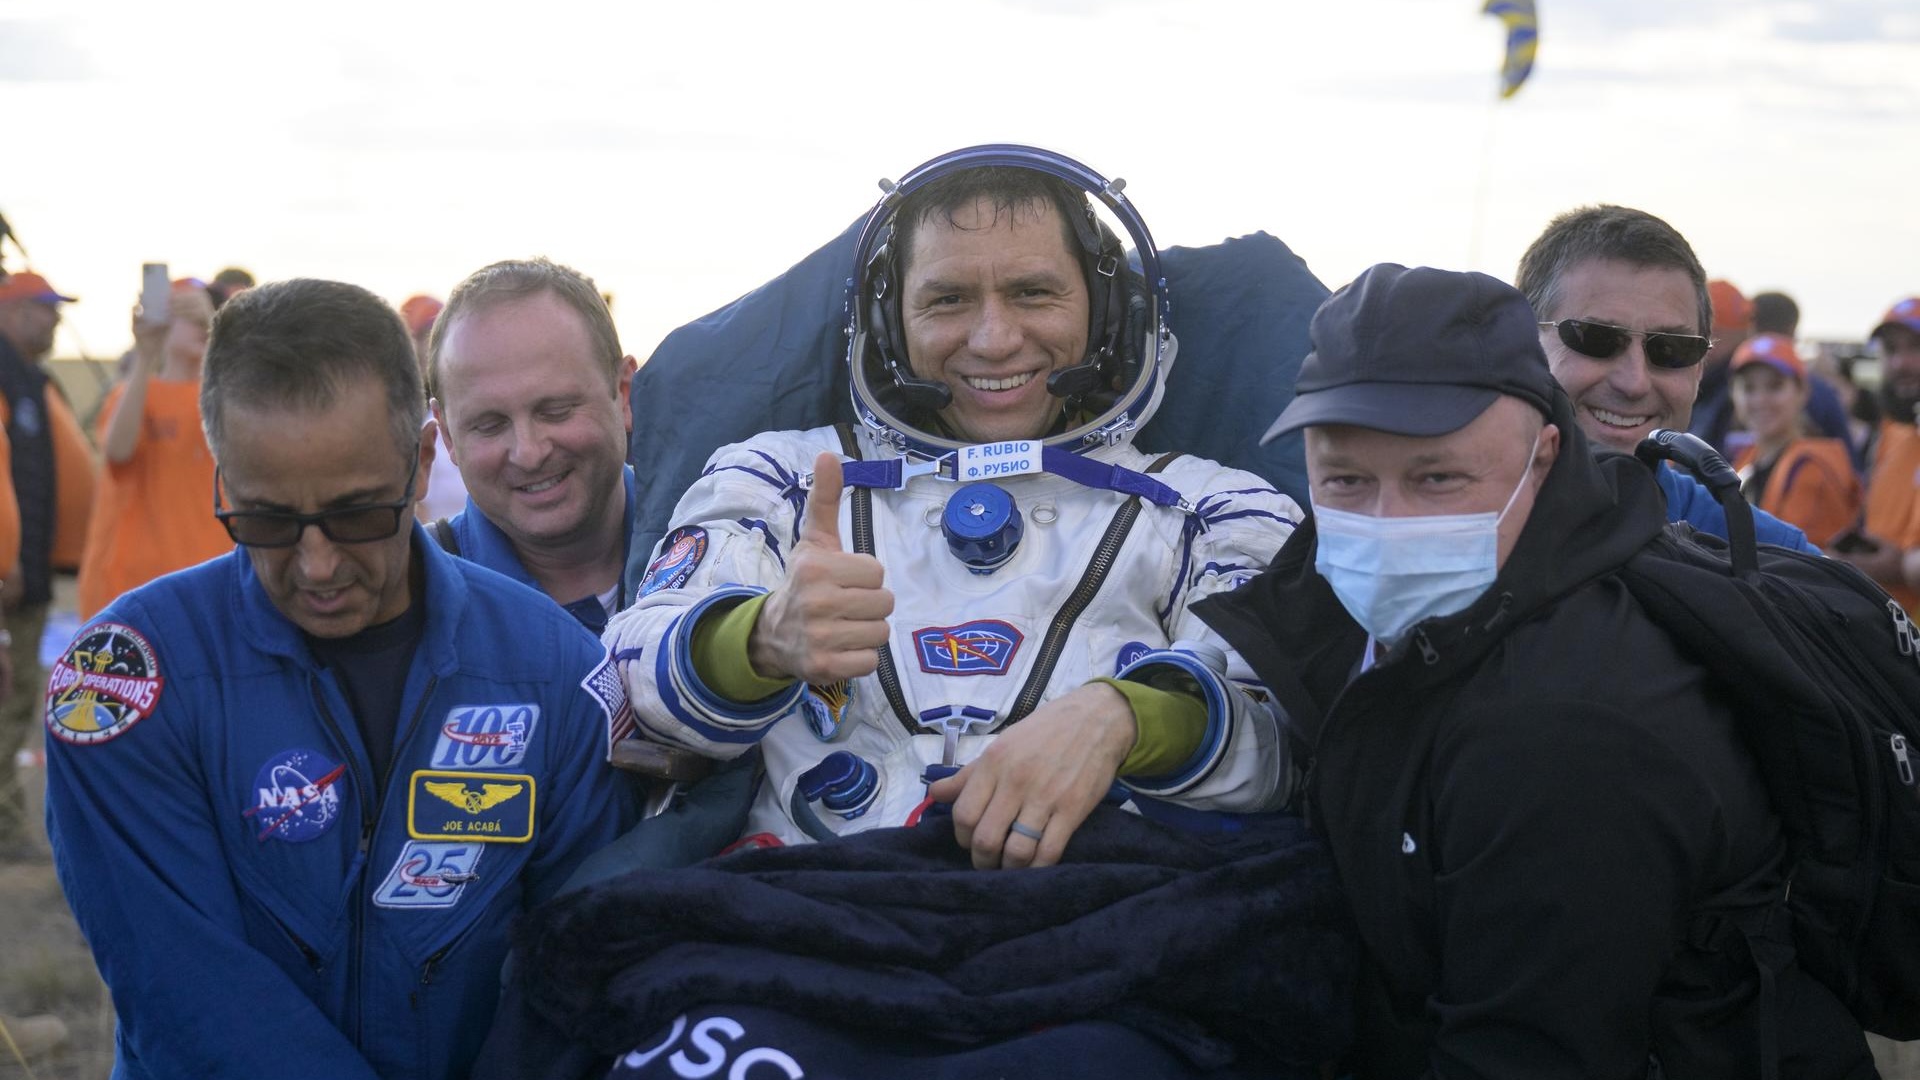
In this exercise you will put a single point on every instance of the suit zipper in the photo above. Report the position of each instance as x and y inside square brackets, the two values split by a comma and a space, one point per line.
[1083, 593]
[889, 676]
[370, 809]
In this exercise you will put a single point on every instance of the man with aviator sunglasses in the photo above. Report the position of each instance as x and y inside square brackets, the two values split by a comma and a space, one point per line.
[333, 765]
[1624, 316]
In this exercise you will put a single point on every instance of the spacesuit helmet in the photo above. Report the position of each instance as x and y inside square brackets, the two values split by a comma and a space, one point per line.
[1106, 395]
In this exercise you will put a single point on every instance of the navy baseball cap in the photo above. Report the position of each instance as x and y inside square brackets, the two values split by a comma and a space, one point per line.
[1417, 352]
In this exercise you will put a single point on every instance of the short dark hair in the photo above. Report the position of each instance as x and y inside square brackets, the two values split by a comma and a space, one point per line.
[296, 344]
[1775, 313]
[518, 279]
[1009, 189]
[1606, 232]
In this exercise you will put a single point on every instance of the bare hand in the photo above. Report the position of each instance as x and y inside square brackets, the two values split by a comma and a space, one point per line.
[827, 621]
[1046, 772]
[149, 341]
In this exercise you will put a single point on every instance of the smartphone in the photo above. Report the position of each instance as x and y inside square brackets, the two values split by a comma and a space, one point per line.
[155, 288]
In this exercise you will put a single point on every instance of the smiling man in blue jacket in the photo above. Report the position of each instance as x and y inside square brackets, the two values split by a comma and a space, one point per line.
[1624, 316]
[298, 793]
[530, 392]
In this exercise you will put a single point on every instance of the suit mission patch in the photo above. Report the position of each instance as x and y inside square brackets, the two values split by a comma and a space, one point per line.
[981, 647]
[680, 555]
[108, 681]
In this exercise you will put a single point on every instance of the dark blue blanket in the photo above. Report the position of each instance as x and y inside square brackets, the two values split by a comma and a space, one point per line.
[775, 360]
[1229, 952]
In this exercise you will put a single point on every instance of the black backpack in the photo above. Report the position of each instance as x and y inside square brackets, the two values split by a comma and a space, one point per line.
[1826, 669]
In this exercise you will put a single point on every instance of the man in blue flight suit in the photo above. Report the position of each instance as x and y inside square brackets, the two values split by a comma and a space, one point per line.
[297, 794]
[1624, 316]
[530, 392]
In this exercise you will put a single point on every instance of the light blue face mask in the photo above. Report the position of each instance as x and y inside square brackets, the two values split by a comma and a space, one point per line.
[1392, 572]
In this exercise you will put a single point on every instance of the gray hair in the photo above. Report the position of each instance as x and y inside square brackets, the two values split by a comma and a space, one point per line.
[296, 344]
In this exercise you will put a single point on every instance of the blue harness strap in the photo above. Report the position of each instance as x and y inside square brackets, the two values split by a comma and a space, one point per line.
[893, 473]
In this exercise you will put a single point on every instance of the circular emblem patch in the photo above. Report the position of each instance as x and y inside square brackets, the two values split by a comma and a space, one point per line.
[108, 681]
[680, 555]
[299, 796]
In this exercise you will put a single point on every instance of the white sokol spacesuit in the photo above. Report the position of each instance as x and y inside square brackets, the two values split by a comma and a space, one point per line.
[1061, 569]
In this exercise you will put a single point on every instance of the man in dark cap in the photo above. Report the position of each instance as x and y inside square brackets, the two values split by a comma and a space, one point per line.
[1534, 841]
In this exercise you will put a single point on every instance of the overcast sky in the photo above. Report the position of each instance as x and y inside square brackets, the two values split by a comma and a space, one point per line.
[683, 154]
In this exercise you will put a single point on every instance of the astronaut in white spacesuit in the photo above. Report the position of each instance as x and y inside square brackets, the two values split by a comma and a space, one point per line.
[982, 596]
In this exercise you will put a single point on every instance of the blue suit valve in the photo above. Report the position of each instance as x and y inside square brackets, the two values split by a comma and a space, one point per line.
[982, 527]
[844, 783]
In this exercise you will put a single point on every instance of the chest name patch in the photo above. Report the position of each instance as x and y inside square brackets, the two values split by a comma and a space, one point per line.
[490, 737]
[484, 808]
[108, 681]
[982, 647]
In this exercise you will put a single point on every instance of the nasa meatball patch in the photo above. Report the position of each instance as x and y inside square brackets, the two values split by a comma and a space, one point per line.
[680, 555]
[108, 681]
[298, 796]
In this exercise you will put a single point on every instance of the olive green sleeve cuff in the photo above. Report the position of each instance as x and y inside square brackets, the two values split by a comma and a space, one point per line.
[719, 653]
[1171, 723]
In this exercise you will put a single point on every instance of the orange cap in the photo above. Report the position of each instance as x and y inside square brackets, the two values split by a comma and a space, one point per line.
[1730, 310]
[420, 311]
[1775, 350]
[27, 285]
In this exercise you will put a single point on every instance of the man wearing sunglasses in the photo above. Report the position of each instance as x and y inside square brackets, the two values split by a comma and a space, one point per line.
[328, 769]
[1623, 314]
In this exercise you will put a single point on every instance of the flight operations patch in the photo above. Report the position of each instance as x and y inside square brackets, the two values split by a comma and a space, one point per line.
[982, 647]
[484, 808]
[108, 681]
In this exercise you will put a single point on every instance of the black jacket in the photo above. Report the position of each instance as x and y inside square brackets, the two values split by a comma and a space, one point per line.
[1561, 858]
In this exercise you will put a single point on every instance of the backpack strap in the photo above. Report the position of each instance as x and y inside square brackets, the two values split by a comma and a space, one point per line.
[442, 530]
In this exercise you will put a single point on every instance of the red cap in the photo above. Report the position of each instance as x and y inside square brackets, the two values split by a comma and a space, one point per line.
[1730, 309]
[420, 311]
[27, 285]
[1774, 350]
[1905, 313]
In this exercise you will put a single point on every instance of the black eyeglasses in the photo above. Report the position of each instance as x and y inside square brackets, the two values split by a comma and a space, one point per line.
[361, 524]
[1604, 341]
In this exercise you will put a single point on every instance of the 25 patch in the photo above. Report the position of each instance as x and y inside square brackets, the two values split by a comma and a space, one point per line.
[680, 555]
[982, 647]
[429, 875]
[108, 681]
[483, 808]
[488, 737]
[298, 796]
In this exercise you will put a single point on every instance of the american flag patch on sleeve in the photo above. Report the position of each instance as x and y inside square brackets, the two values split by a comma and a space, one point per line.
[604, 686]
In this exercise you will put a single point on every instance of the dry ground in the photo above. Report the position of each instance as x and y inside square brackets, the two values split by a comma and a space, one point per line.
[45, 968]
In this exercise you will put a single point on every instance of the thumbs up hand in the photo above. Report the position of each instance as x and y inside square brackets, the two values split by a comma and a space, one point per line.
[827, 621]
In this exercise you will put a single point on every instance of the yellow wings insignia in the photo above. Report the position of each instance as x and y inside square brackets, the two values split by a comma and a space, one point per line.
[489, 795]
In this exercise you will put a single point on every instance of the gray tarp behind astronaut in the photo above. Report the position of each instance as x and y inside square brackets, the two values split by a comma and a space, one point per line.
[775, 360]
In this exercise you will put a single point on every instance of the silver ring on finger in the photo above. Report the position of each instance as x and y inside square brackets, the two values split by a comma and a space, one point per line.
[1027, 831]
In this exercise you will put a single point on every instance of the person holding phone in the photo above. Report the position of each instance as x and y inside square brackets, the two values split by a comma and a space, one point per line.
[147, 516]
